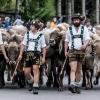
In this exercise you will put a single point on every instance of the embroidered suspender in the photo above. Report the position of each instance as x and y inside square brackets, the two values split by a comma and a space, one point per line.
[32, 40]
[76, 36]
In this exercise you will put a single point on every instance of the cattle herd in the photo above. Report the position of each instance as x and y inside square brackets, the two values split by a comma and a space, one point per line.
[55, 58]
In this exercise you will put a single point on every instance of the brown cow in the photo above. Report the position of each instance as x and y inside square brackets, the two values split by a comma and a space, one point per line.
[13, 52]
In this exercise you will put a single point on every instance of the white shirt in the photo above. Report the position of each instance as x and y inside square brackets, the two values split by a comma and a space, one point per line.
[1, 41]
[31, 45]
[77, 41]
[18, 22]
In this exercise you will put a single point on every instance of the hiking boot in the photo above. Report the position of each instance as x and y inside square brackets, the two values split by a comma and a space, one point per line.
[78, 91]
[35, 90]
[72, 89]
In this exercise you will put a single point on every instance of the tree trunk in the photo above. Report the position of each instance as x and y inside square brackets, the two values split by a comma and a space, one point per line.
[83, 8]
[69, 11]
[97, 11]
[72, 7]
[59, 12]
[27, 6]
[17, 8]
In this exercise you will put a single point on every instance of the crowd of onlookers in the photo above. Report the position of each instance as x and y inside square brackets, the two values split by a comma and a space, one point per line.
[6, 22]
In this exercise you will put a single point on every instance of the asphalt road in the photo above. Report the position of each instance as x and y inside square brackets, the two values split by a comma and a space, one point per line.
[10, 92]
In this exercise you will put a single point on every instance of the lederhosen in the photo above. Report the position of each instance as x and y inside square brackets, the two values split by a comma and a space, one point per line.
[32, 57]
[76, 55]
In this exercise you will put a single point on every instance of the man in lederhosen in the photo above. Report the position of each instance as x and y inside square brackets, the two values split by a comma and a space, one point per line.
[33, 45]
[77, 38]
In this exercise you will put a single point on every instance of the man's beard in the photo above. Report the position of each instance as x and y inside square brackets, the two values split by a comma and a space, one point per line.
[76, 24]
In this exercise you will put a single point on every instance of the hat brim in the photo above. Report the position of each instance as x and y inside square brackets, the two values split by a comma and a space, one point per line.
[77, 18]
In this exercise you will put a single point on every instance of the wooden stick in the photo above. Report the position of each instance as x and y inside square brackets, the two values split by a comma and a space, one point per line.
[63, 66]
[15, 70]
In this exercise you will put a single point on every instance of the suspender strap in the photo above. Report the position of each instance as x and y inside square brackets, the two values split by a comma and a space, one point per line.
[91, 29]
[27, 41]
[82, 31]
[32, 40]
[36, 42]
[72, 46]
[76, 36]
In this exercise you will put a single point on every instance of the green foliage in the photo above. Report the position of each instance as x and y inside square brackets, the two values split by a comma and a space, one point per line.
[7, 5]
[38, 9]
[44, 9]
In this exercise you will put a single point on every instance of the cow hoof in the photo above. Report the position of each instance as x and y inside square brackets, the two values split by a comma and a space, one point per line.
[83, 85]
[60, 89]
[48, 84]
[86, 88]
[2, 85]
[96, 82]
[55, 85]
[91, 86]
[41, 82]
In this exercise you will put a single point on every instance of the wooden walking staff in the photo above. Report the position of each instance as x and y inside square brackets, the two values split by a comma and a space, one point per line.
[15, 70]
[63, 66]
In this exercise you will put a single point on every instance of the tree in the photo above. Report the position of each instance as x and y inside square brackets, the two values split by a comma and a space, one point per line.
[97, 11]
[83, 8]
[17, 7]
[72, 1]
[59, 8]
[69, 11]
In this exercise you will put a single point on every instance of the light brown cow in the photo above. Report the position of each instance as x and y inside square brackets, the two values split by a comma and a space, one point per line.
[96, 43]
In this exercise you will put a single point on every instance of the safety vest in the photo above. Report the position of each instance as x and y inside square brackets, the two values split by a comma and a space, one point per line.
[33, 40]
[76, 36]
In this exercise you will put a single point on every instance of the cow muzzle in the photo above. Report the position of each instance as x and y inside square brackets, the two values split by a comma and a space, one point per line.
[12, 62]
[52, 42]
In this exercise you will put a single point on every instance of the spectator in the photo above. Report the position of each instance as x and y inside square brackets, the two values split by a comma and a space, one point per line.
[6, 23]
[18, 21]
[53, 23]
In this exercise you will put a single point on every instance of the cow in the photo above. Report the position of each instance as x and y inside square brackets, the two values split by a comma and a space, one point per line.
[5, 38]
[56, 43]
[97, 59]
[17, 29]
[13, 52]
[88, 66]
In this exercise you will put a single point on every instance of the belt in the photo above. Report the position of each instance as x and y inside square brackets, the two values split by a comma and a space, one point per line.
[76, 51]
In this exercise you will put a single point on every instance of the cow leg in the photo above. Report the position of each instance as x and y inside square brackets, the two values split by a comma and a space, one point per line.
[2, 82]
[21, 79]
[88, 79]
[96, 82]
[41, 75]
[2, 69]
[9, 76]
[8, 73]
[49, 73]
[84, 78]
[55, 84]
[61, 81]
[91, 78]
[68, 72]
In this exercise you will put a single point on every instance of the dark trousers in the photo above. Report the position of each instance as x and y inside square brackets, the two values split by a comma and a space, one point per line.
[2, 69]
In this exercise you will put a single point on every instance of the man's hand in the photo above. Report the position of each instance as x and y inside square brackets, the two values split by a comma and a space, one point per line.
[43, 60]
[7, 59]
[20, 57]
[66, 54]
